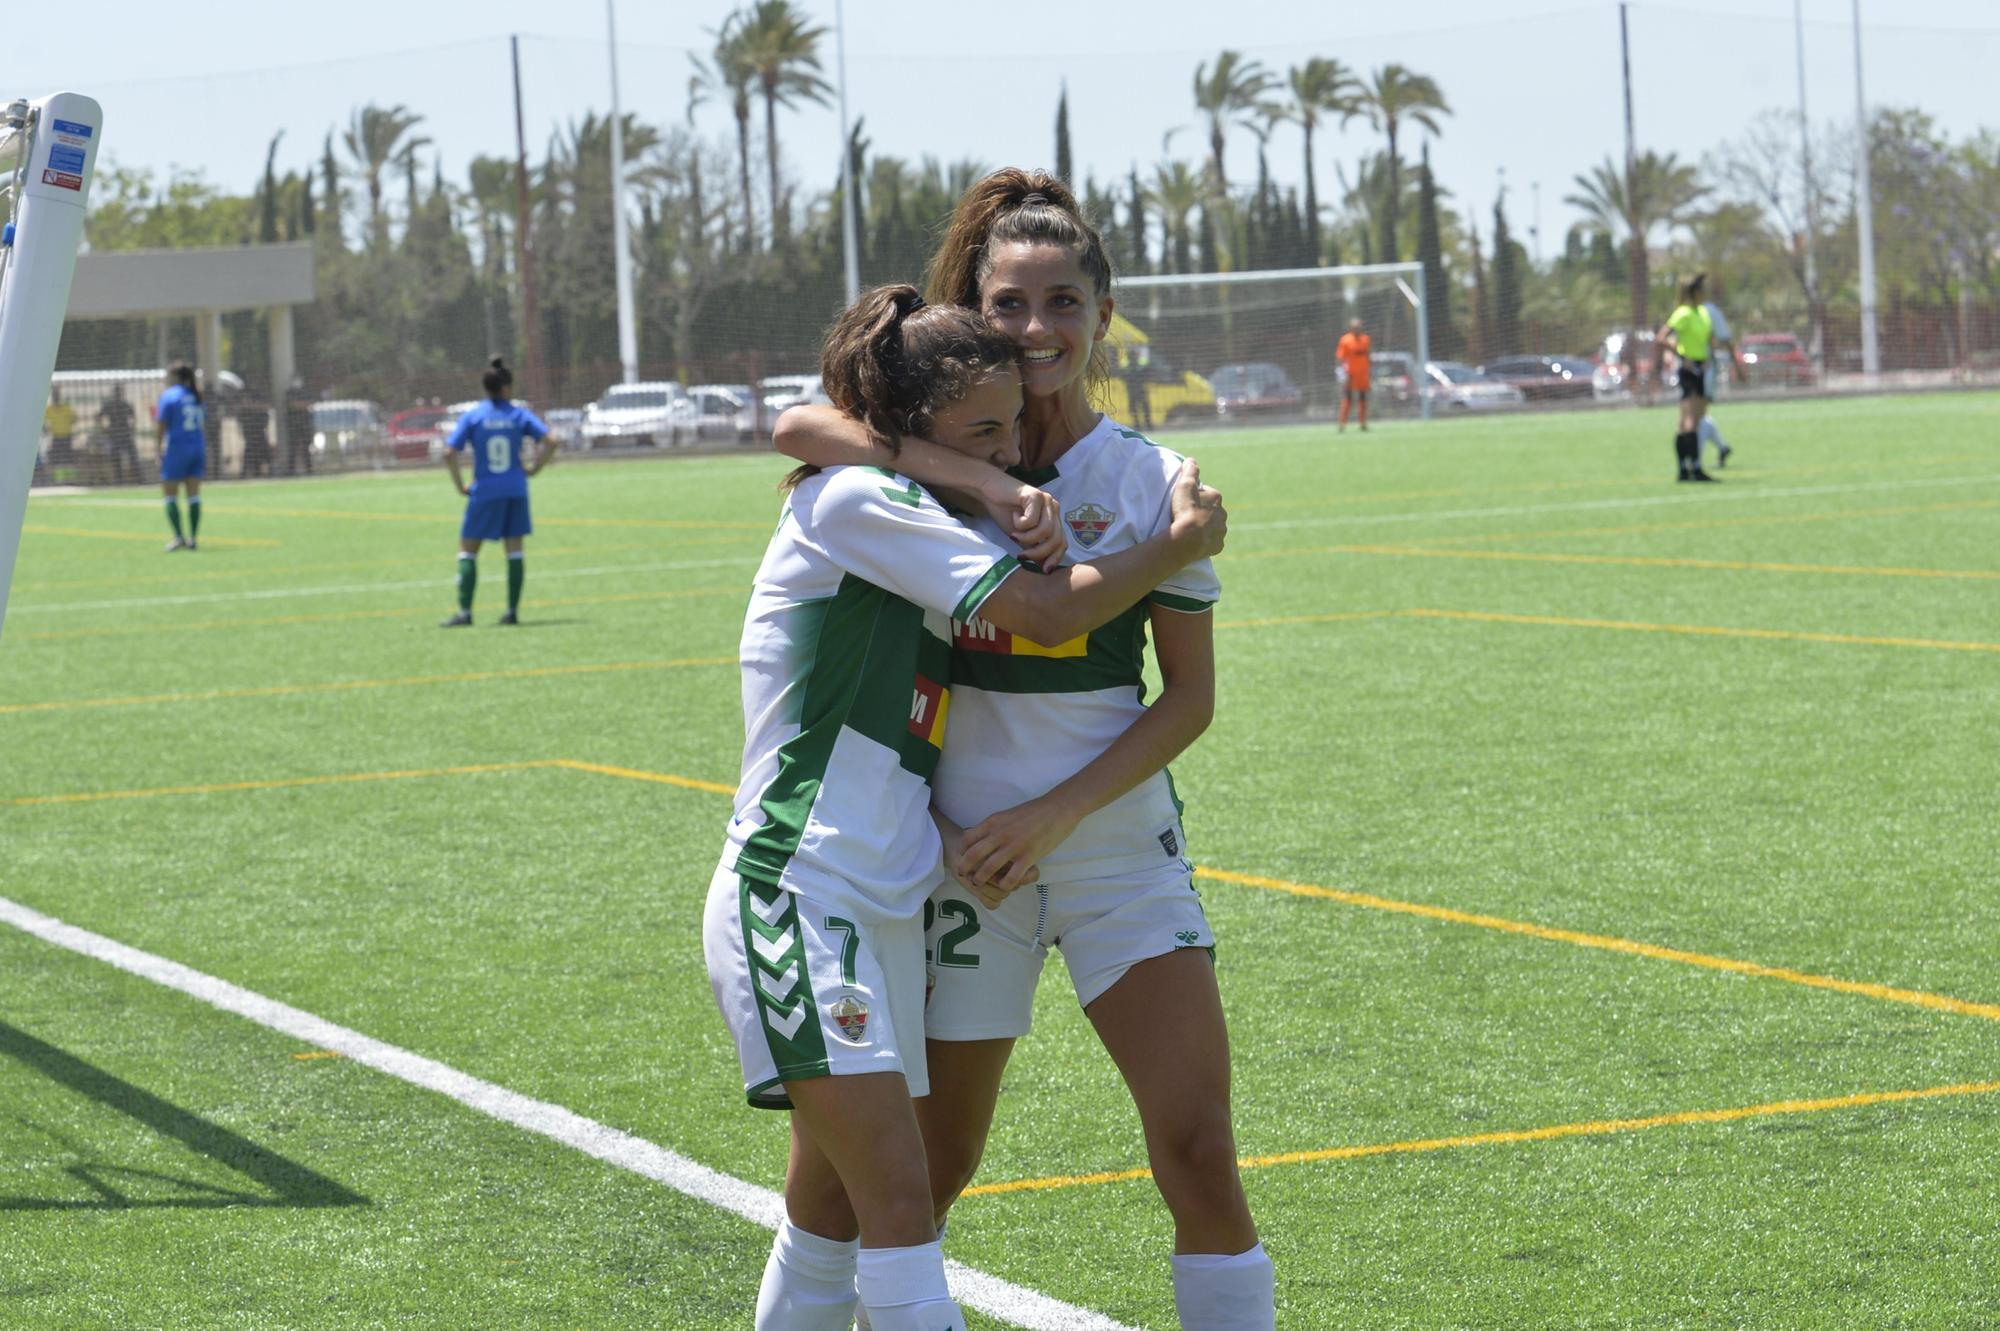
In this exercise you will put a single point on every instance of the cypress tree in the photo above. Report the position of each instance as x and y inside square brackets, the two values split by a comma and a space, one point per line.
[1506, 336]
[1430, 252]
[1136, 225]
[1063, 170]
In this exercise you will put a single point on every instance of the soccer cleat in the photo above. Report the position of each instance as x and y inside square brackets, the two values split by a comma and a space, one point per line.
[510, 618]
[1697, 475]
[463, 619]
[177, 544]
[194, 545]
[1722, 458]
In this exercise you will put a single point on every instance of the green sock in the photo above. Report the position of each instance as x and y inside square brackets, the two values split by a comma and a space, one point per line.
[517, 573]
[174, 517]
[468, 578]
[194, 515]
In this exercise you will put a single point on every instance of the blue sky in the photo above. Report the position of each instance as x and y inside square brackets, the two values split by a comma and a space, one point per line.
[1533, 83]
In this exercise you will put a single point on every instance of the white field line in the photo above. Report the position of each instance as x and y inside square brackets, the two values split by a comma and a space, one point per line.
[1013, 1304]
[286, 593]
[1708, 494]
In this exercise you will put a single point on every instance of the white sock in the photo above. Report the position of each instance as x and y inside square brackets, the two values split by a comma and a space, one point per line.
[1218, 1293]
[1709, 433]
[861, 1322]
[808, 1283]
[904, 1289]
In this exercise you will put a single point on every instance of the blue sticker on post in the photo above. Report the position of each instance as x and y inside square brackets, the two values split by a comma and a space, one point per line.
[71, 127]
[63, 158]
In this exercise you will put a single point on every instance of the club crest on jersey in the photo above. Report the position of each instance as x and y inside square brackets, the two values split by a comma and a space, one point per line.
[851, 1015]
[1090, 522]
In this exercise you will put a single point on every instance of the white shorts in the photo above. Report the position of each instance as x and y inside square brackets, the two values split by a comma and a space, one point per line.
[808, 994]
[984, 964]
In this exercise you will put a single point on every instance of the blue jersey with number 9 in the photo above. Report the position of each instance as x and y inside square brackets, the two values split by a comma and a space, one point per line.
[493, 431]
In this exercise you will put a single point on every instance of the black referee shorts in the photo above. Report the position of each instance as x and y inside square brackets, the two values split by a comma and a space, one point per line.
[1694, 379]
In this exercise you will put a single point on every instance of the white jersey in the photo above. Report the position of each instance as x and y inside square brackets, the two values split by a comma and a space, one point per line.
[846, 666]
[1026, 716]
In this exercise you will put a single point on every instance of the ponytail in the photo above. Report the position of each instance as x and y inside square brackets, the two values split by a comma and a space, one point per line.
[182, 373]
[497, 379]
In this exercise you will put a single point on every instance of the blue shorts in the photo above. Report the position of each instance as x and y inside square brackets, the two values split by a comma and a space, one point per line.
[495, 519]
[183, 462]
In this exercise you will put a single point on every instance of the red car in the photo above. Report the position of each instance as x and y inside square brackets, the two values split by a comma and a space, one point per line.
[417, 435]
[1774, 358]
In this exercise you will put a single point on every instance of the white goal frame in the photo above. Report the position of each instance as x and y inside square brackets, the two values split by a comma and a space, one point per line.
[1408, 278]
[53, 144]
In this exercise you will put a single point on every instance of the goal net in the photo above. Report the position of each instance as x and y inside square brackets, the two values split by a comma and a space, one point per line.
[1221, 347]
[48, 149]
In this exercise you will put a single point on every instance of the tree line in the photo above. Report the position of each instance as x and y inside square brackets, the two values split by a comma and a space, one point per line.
[738, 260]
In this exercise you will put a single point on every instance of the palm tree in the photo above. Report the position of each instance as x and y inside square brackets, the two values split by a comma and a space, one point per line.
[1236, 87]
[729, 75]
[1318, 87]
[375, 138]
[1658, 192]
[782, 53]
[1393, 95]
[1176, 192]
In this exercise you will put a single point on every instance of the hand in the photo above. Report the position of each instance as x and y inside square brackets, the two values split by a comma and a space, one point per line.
[1197, 515]
[1005, 851]
[1032, 517]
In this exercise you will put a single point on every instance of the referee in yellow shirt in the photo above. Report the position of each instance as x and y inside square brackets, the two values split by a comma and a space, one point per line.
[1689, 331]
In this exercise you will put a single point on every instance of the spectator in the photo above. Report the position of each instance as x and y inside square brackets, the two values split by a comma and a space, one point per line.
[117, 423]
[1139, 398]
[59, 421]
[254, 418]
[298, 430]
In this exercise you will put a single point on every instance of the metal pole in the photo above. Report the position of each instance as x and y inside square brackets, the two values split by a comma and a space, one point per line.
[1637, 242]
[848, 185]
[1811, 224]
[628, 333]
[524, 253]
[1864, 210]
[1423, 342]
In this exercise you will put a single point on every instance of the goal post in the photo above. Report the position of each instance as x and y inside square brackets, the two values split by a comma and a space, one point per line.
[1291, 317]
[48, 153]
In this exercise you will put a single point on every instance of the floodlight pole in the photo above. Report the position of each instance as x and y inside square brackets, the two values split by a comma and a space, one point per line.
[1805, 160]
[848, 185]
[628, 333]
[1864, 212]
[524, 252]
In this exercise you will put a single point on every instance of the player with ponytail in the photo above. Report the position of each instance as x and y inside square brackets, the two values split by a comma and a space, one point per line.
[496, 505]
[183, 451]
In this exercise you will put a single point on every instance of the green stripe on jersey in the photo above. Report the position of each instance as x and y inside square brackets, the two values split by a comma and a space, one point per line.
[1114, 656]
[969, 604]
[1187, 605]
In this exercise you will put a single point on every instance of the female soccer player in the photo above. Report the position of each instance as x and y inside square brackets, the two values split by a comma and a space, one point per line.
[496, 505]
[813, 930]
[1057, 771]
[183, 451]
[1688, 332]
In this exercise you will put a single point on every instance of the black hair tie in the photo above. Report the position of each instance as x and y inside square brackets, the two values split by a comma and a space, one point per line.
[1036, 197]
[916, 303]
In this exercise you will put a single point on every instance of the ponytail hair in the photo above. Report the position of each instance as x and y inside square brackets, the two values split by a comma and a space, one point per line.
[497, 379]
[1013, 206]
[893, 361]
[182, 373]
[1691, 289]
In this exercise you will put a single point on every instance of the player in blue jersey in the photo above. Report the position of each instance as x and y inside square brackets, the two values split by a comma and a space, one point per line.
[183, 451]
[496, 505]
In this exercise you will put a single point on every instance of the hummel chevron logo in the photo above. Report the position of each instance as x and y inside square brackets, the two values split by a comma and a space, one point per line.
[770, 912]
[790, 977]
[788, 1025]
[773, 950]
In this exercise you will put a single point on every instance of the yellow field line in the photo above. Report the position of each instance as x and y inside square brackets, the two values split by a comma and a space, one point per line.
[658, 778]
[1707, 630]
[1660, 561]
[1601, 1127]
[151, 538]
[364, 515]
[287, 690]
[281, 783]
[1333, 618]
[333, 617]
[1704, 524]
[1886, 993]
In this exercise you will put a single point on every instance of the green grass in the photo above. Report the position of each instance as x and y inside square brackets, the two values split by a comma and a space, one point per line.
[1726, 720]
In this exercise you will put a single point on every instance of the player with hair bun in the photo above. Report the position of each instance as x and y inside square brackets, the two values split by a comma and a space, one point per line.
[813, 930]
[183, 451]
[496, 504]
[1055, 769]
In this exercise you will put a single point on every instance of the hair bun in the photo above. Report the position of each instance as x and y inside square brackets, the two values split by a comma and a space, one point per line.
[497, 363]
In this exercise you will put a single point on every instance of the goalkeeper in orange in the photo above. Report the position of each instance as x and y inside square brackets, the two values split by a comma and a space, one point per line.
[1353, 351]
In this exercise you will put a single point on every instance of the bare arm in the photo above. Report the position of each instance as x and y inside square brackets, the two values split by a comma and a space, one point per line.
[1002, 852]
[825, 437]
[545, 452]
[451, 462]
[1052, 610]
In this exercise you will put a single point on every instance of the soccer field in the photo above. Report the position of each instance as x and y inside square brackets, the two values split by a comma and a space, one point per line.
[1603, 872]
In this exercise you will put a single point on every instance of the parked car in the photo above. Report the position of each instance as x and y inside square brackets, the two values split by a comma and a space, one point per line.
[1252, 388]
[1776, 359]
[1454, 384]
[1543, 378]
[646, 414]
[418, 434]
[1392, 378]
[1172, 396]
[789, 390]
[1629, 364]
[723, 411]
[346, 425]
[565, 425]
